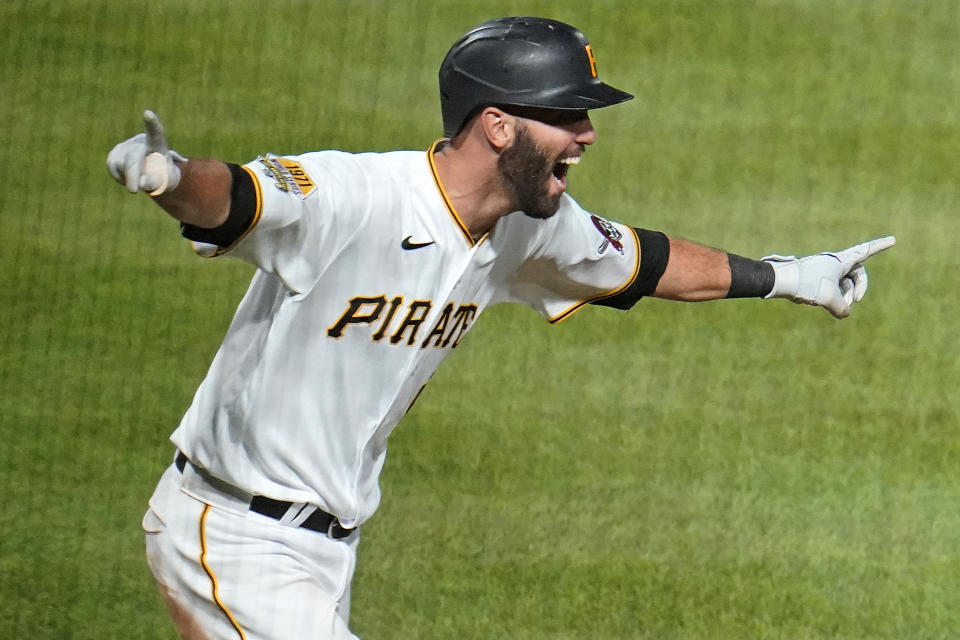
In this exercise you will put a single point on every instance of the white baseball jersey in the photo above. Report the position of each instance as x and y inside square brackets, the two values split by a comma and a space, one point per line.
[367, 280]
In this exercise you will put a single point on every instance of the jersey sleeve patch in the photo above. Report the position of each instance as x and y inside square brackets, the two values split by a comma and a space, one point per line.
[288, 175]
[654, 254]
[611, 235]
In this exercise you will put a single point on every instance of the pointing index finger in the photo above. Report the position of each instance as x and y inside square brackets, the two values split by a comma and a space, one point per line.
[156, 137]
[863, 251]
[880, 244]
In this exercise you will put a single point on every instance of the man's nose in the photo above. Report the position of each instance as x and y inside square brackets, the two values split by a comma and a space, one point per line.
[586, 134]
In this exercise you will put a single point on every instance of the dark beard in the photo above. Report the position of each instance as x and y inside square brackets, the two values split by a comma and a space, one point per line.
[525, 171]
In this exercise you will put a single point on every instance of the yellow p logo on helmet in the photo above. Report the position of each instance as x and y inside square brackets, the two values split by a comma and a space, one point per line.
[593, 61]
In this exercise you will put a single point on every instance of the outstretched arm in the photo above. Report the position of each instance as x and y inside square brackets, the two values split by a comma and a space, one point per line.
[194, 191]
[833, 280]
[694, 273]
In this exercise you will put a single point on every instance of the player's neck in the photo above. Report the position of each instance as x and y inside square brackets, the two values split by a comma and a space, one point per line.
[473, 185]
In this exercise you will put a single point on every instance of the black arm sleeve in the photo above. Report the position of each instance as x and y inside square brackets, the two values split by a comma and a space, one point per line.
[243, 210]
[654, 253]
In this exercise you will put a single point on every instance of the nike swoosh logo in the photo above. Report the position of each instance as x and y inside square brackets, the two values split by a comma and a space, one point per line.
[407, 245]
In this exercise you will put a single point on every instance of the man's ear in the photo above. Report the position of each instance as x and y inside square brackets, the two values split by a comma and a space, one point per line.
[498, 126]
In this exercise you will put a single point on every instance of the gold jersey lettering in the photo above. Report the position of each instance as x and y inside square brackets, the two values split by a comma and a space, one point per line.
[462, 319]
[378, 336]
[358, 312]
[415, 317]
[454, 320]
[439, 328]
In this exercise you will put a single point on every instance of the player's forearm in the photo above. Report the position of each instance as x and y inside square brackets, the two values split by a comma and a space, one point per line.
[694, 273]
[202, 198]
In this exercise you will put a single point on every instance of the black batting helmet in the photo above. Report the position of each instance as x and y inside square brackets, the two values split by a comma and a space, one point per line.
[527, 62]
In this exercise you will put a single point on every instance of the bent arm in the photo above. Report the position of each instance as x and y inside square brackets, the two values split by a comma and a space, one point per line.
[195, 191]
[202, 198]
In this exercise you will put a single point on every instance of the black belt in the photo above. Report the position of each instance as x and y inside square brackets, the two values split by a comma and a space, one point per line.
[319, 520]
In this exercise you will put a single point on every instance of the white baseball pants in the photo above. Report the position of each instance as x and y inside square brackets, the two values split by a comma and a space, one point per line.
[228, 573]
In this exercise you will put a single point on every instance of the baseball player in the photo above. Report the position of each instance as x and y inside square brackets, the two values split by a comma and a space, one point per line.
[372, 268]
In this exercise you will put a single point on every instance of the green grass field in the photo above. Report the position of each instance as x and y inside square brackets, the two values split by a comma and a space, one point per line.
[725, 470]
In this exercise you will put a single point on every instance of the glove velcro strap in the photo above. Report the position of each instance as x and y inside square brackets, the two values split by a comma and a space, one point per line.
[786, 278]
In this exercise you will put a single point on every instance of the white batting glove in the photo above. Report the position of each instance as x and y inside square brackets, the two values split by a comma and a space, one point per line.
[833, 280]
[146, 162]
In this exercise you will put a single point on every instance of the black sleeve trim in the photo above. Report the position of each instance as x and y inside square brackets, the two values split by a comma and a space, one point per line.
[749, 278]
[654, 253]
[243, 210]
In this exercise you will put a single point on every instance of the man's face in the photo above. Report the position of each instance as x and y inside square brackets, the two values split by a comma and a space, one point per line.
[534, 167]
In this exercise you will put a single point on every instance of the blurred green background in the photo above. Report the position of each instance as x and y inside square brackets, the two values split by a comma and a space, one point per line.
[739, 469]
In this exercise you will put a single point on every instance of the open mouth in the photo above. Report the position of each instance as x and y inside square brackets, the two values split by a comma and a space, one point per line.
[561, 168]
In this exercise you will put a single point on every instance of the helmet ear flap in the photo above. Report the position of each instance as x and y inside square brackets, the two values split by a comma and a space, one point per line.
[524, 62]
[470, 115]
[457, 111]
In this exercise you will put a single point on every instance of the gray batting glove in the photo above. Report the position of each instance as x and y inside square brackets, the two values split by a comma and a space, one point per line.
[833, 280]
[146, 162]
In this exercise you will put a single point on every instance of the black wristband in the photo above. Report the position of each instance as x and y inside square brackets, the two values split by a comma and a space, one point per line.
[749, 278]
